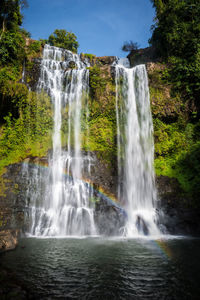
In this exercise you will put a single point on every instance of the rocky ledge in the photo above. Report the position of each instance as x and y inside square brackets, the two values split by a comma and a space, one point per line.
[175, 216]
[8, 239]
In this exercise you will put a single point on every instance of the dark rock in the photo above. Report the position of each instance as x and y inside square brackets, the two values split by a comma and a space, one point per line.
[142, 226]
[12, 199]
[11, 287]
[106, 60]
[8, 240]
[32, 73]
[72, 65]
[142, 56]
[175, 216]
[109, 218]
[101, 175]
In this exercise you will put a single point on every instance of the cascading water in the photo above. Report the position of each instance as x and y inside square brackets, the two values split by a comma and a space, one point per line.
[136, 187]
[60, 204]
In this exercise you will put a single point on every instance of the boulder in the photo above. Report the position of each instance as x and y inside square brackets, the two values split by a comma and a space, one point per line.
[109, 218]
[8, 239]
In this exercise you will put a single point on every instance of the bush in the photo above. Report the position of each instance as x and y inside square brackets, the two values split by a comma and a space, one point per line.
[63, 39]
[12, 48]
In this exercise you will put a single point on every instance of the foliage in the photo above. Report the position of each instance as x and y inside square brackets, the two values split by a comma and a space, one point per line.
[130, 46]
[34, 47]
[12, 48]
[63, 39]
[10, 16]
[25, 33]
[43, 42]
[29, 134]
[176, 145]
[97, 81]
[102, 116]
[89, 56]
[176, 38]
[25, 117]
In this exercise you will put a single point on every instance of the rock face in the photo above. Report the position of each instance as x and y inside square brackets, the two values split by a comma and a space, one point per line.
[12, 207]
[109, 218]
[32, 73]
[8, 239]
[12, 199]
[174, 216]
[101, 175]
[142, 56]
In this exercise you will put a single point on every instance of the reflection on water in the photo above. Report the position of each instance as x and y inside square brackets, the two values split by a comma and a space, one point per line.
[96, 268]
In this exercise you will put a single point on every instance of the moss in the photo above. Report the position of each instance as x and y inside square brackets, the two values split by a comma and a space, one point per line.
[3, 187]
[176, 136]
[102, 115]
[98, 117]
[30, 133]
[89, 56]
[97, 81]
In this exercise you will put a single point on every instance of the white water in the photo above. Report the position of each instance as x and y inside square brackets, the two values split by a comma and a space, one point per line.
[60, 204]
[136, 187]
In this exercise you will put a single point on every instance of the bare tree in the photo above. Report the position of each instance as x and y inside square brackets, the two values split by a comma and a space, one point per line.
[130, 46]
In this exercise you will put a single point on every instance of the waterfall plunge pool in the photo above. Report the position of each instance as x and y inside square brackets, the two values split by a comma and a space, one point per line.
[99, 268]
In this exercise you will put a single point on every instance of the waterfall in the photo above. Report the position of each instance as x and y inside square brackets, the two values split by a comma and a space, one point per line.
[136, 186]
[60, 204]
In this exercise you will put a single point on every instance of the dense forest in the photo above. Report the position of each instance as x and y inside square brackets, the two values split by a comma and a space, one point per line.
[26, 117]
[176, 40]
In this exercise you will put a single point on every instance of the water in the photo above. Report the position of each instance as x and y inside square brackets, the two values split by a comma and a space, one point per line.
[136, 187]
[95, 268]
[59, 205]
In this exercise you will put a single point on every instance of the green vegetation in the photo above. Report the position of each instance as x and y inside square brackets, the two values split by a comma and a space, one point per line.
[176, 38]
[30, 133]
[63, 39]
[130, 46]
[25, 117]
[89, 56]
[176, 134]
[175, 90]
[102, 117]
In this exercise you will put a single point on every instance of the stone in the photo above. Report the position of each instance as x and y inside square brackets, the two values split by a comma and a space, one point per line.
[8, 239]
[72, 65]
[109, 218]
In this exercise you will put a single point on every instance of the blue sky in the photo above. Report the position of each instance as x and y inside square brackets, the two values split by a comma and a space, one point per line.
[101, 26]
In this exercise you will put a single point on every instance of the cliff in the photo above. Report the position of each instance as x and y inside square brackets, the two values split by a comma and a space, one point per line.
[174, 133]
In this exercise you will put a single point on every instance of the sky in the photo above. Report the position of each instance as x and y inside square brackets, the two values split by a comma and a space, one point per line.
[101, 26]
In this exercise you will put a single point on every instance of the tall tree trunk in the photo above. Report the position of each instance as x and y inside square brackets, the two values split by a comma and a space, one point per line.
[3, 27]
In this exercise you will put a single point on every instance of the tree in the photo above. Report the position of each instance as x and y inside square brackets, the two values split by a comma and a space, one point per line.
[130, 46]
[63, 39]
[176, 31]
[176, 38]
[10, 15]
[11, 37]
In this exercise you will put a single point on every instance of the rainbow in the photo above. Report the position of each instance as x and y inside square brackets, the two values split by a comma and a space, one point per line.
[100, 192]
[160, 244]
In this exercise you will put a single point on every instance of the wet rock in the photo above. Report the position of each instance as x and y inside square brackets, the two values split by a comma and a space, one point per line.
[109, 218]
[174, 214]
[11, 288]
[32, 73]
[142, 226]
[106, 60]
[142, 56]
[8, 239]
[72, 65]
[100, 174]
